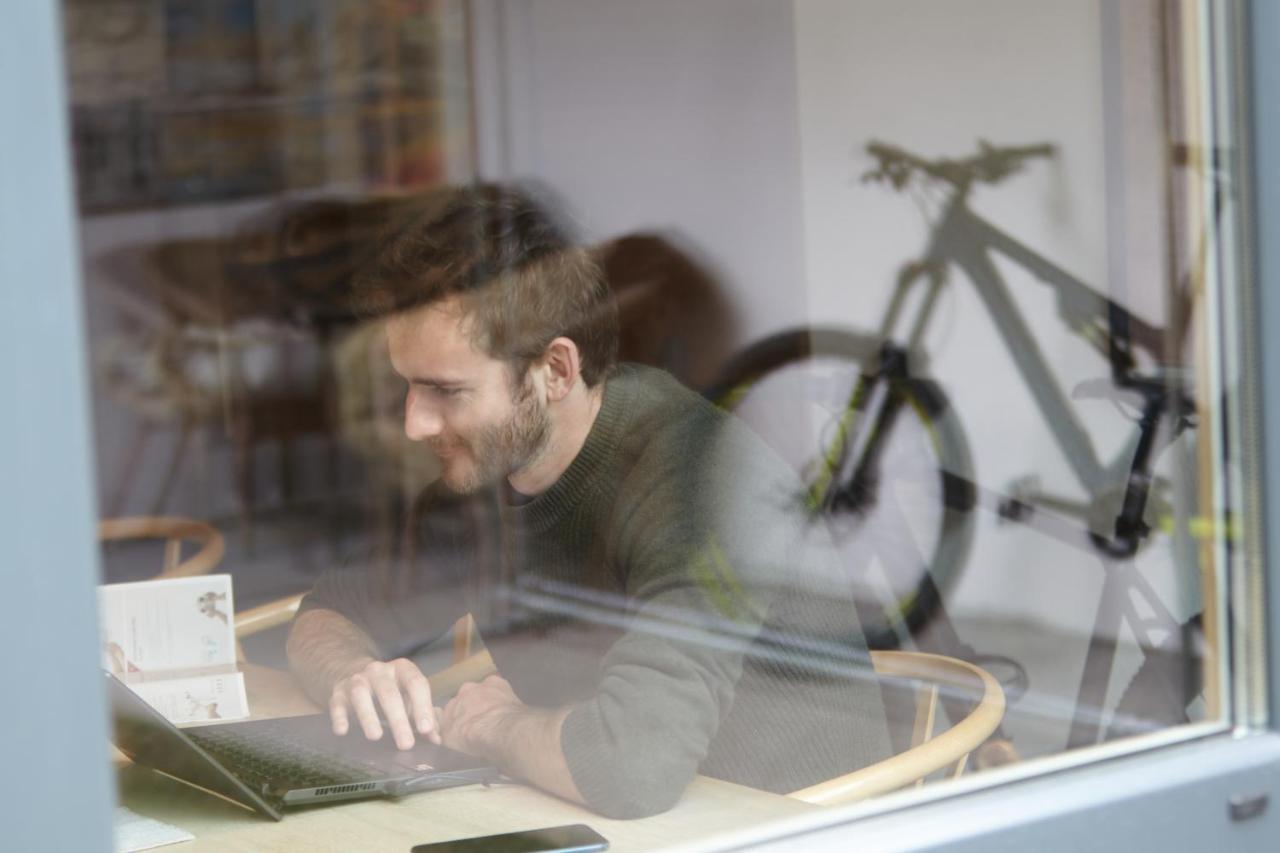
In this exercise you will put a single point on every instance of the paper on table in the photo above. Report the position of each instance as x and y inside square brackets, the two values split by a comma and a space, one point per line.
[198, 699]
[172, 624]
[173, 642]
[138, 832]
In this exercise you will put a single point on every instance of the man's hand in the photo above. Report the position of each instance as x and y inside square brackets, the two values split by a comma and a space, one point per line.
[399, 688]
[488, 720]
[476, 718]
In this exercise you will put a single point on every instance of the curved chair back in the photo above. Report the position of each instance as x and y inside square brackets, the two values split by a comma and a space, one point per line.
[928, 753]
[174, 531]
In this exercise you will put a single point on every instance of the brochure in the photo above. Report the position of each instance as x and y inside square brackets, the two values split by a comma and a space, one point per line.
[173, 641]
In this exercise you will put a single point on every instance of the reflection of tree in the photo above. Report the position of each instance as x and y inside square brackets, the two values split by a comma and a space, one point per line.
[106, 20]
[176, 100]
[237, 333]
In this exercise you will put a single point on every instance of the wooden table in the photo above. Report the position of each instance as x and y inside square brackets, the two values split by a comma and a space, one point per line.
[708, 808]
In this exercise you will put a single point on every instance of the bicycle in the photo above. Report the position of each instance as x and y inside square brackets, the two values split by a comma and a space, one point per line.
[884, 459]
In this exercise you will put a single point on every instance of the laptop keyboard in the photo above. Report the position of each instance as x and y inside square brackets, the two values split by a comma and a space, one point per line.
[268, 759]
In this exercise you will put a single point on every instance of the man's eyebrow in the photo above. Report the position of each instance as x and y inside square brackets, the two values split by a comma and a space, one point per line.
[434, 382]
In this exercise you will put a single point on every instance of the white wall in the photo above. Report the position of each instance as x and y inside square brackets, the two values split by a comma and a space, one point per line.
[935, 78]
[659, 115]
[740, 124]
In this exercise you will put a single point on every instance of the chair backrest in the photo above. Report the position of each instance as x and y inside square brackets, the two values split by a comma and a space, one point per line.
[265, 616]
[928, 752]
[174, 531]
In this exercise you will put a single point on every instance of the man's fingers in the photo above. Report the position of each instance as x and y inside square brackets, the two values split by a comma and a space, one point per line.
[338, 713]
[424, 712]
[361, 700]
[399, 691]
[449, 715]
[388, 693]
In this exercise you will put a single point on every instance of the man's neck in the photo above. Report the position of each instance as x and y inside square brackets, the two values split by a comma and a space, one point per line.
[571, 425]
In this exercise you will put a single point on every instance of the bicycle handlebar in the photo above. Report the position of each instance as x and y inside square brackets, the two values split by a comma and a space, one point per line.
[990, 165]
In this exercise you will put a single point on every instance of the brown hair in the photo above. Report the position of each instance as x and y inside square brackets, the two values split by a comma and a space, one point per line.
[522, 282]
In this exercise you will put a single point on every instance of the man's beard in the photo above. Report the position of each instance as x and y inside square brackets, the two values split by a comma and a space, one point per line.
[498, 450]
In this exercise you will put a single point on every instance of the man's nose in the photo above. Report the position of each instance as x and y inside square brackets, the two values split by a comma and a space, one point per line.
[421, 420]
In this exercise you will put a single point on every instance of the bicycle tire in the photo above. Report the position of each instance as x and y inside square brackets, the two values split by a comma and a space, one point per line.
[817, 369]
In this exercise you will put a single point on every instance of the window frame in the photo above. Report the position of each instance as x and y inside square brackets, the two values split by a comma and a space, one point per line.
[53, 723]
[1195, 785]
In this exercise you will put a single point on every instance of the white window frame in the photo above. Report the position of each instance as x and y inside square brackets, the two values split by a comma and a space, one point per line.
[1207, 790]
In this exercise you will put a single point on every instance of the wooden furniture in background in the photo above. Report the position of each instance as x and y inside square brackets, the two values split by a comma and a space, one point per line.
[211, 547]
[265, 616]
[927, 754]
[174, 531]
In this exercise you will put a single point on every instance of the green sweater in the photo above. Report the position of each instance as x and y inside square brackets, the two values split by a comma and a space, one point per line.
[669, 586]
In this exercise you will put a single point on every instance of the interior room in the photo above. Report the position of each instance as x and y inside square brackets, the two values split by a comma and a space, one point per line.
[968, 273]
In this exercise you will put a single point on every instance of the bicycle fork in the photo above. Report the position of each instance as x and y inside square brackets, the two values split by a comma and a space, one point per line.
[848, 476]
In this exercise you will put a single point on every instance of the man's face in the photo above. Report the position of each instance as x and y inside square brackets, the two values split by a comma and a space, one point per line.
[462, 402]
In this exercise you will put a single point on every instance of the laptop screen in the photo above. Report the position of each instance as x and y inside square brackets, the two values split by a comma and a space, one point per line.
[141, 733]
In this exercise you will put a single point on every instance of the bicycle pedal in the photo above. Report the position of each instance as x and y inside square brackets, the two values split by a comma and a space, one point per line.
[1018, 503]
[1014, 510]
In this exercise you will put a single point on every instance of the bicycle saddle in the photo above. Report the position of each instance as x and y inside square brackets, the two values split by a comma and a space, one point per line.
[1105, 388]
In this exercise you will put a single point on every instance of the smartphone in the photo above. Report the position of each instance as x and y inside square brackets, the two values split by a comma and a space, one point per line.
[573, 838]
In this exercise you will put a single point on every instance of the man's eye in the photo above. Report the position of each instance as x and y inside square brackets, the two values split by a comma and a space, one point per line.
[446, 392]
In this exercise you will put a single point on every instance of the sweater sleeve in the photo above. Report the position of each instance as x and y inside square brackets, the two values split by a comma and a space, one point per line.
[636, 744]
[701, 566]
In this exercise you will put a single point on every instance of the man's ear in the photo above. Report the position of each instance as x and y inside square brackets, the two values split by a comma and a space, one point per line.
[563, 365]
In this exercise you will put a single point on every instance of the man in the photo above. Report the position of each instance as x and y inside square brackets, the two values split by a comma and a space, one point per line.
[654, 600]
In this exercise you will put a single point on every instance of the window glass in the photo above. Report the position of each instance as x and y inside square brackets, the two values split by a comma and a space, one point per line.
[741, 395]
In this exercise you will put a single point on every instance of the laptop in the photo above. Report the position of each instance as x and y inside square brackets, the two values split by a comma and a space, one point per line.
[272, 765]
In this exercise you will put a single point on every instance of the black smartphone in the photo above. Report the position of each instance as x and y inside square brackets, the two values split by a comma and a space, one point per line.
[573, 838]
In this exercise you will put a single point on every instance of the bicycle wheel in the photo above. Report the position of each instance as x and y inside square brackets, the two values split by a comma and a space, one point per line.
[903, 522]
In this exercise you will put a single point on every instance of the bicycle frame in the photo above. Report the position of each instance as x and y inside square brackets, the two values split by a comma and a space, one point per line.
[966, 241]
[1117, 491]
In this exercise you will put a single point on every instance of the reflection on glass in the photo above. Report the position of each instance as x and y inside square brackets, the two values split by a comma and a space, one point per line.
[652, 596]
[738, 426]
[885, 456]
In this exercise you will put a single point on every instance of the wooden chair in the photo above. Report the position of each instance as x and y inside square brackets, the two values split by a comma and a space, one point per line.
[928, 753]
[210, 549]
[264, 617]
[174, 531]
